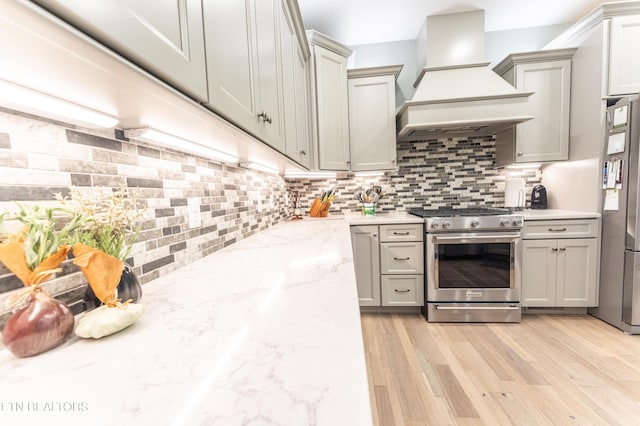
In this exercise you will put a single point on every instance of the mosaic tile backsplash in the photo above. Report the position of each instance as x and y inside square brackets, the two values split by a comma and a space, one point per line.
[39, 157]
[431, 174]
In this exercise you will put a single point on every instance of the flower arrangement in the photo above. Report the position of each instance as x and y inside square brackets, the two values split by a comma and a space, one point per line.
[100, 246]
[33, 253]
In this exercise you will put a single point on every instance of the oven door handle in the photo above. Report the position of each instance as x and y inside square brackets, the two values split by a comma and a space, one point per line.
[477, 308]
[486, 238]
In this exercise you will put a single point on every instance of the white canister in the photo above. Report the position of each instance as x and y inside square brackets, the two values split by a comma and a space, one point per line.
[514, 193]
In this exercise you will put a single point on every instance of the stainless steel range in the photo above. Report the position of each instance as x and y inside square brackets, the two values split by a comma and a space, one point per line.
[472, 259]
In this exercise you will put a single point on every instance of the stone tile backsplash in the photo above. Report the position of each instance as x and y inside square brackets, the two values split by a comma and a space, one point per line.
[39, 157]
[431, 174]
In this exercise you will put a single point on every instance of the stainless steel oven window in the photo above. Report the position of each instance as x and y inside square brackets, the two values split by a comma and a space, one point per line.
[474, 261]
[475, 265]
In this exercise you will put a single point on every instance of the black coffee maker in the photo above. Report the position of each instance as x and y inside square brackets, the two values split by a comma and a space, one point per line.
[539, 197]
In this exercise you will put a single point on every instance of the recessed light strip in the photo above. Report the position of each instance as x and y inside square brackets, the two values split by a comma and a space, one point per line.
[260, 167]
[27, 100]
[524, 166]
[151, 135]
[296, 174]
[369, 174]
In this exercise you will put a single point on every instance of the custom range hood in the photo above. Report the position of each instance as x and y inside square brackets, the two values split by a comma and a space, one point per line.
[457, 95]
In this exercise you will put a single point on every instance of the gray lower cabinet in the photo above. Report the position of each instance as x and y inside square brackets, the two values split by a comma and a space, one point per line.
[366, 258]
[560, 263]
[165, 38]
[388, 265]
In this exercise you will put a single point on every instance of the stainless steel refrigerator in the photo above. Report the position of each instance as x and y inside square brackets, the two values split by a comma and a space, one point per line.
[619, 301]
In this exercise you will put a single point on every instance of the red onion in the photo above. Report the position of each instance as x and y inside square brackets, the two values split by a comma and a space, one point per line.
[42, 325]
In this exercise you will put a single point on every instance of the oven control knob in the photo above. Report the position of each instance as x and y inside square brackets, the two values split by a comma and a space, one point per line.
[518, 222]
[475, 223]
[435, 225]
[505, 222]
[446, 224]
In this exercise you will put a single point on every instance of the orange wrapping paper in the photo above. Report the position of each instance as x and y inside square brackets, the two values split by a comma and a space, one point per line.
[13, 256]
[102, 270]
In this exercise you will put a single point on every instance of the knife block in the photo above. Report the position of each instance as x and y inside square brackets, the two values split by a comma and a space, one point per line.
[319, 209]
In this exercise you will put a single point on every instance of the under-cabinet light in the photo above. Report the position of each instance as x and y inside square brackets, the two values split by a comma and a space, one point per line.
[260, 167]
[295, 174]
[369, 174]
[151, 135]
[20, 98]
[524, 166]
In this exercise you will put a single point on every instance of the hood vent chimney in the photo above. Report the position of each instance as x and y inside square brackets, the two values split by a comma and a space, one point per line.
[457, 95]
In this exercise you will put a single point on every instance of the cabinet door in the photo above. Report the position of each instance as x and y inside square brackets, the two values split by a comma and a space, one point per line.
[269, 73]
[366, 258]
[402, 290]
[546, 137]
[303, 137]
[624, 62]
[288, 61]
[332, 109]
[372, 124]
[165, 38]
[577, 268]
[539, 260]
[231, 62]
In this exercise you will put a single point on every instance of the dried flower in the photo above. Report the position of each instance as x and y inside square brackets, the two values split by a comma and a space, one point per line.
[109, 219]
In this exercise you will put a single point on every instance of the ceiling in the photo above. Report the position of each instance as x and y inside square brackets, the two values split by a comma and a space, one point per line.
[354, 22]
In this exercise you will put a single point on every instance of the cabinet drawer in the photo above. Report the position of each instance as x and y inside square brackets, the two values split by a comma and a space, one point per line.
[402, 290]
[401, 258]
[401, 232]
[571, 228]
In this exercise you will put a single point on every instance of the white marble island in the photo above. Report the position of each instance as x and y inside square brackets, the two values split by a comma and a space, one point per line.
[266, 331]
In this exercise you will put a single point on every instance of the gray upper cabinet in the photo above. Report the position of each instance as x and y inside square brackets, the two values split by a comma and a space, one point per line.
[295, 83]
[243, 66]
[372, 122]
[330, 105]
[165, 38]
[624, 62]
[546, 136]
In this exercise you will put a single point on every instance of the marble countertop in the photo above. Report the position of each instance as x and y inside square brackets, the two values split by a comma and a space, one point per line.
[266, 331]
[551, 214]
[382, 218]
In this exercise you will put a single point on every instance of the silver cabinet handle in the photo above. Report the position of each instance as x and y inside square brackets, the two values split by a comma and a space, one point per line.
[520, 154]
[401, 258]
[303, 152]
[265, 117]
[557, 229]
[401, 233]
[374, 235]
[554, 249]
[406, 290]
[563, 249]
[477, 308]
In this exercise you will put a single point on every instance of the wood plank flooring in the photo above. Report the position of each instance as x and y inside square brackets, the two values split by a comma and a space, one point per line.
[547, 370]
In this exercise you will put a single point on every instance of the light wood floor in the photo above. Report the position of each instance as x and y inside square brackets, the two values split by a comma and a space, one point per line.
[549, 369]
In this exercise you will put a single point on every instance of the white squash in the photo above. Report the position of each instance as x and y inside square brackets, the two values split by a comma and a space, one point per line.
[106, 320]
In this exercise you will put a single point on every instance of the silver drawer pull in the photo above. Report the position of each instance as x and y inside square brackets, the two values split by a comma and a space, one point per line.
[474, 294]
[401, 258]
[402, 291]
[477, 308]
[563, 249]
[557, 229]
[401, 233]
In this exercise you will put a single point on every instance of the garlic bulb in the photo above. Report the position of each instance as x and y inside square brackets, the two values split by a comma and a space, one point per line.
[42, 325]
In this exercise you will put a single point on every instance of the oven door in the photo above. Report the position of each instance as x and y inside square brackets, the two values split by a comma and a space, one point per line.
[473, 267]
